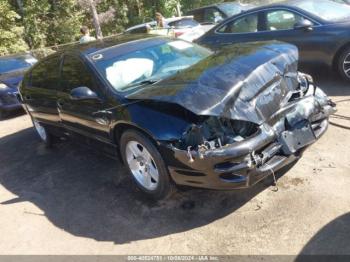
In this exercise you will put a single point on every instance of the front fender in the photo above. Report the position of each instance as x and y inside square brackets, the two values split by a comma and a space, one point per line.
[161, 121]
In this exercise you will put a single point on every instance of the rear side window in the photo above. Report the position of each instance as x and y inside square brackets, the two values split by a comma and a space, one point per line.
[246, 24]
[47, 74]
[75, 74]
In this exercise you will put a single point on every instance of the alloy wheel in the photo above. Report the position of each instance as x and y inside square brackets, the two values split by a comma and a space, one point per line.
[142, 165]
[346, 65]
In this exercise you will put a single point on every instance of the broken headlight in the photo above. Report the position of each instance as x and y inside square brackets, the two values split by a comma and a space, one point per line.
[215, 132]
[304, 81]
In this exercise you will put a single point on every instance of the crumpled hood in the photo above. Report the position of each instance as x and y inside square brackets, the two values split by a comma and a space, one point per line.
[244, 82]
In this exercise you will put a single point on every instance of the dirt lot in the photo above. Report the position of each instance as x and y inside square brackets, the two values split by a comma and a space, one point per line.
[64, 201]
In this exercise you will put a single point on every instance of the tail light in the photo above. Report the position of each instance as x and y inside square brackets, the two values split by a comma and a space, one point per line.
[177, 34]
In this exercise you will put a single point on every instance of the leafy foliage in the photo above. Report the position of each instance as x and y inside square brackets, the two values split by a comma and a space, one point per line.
[41, 23]
[11, 34]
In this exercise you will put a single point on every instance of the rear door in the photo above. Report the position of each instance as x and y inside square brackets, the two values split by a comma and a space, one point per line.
[82, 116]
[40, 88]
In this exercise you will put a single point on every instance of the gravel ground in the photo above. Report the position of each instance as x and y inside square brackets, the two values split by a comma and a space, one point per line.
[64, 201]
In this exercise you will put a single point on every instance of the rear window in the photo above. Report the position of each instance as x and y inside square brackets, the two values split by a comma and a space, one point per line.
[327, 10]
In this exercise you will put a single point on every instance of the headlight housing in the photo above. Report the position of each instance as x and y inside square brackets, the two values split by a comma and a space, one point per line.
[304, 81]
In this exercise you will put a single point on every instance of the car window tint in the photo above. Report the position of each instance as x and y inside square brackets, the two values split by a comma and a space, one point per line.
[75, 74]
[246, 24]
[213, 15]
[282, 20]
[198, 15]
[47, 74]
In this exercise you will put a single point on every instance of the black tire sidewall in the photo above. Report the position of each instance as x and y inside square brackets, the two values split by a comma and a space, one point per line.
[341, 63]
[164, 187]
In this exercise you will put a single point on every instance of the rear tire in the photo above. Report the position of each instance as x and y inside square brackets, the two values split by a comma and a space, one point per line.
[43, 133]
[146, 165]
[344, 64]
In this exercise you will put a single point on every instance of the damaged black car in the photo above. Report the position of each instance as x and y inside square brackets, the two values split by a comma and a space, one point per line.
[179, 113]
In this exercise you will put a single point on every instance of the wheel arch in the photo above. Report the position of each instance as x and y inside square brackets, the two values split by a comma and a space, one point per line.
[338, 54]
[120, 128]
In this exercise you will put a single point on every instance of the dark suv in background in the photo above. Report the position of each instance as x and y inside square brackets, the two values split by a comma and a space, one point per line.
[216, 13]
[12, 69]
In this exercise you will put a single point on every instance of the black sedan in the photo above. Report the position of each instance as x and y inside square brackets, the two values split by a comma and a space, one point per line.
[320, 29]
[12, 69]
[178, 112]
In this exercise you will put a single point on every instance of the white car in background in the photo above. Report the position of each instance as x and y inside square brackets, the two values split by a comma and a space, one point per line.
[185, 28]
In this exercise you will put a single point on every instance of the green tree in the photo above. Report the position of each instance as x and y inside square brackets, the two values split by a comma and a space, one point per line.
[11, 34]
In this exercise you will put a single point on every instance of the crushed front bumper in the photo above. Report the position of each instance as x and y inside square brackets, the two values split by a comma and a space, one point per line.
[279, 142]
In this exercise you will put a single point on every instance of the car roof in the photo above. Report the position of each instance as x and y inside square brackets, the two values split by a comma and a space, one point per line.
[291, 4]
[215, 5]
[167, 20]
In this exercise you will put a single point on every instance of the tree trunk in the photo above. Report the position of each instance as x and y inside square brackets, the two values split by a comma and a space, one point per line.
[178, 9]
[20, 7]
[96, 20]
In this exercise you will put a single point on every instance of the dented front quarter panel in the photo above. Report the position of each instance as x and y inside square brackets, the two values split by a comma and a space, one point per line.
[258, 83]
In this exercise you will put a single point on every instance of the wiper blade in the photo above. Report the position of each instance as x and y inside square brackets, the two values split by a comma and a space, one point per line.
[142, 83]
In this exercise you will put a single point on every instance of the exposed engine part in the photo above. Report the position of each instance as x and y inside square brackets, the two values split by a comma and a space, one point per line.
[214, 133]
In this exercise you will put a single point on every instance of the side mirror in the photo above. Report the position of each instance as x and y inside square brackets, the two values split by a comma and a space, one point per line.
[305, 25]
[83, 93]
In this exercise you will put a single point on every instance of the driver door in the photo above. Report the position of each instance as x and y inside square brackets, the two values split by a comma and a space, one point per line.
[81, 116]
[280, 24]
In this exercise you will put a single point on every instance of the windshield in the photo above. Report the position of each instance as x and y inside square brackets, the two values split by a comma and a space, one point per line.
[230, 9]
[327, 10]
[149, 65]
[16, 63]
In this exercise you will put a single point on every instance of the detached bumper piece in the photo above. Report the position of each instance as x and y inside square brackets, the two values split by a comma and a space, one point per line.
[278, 143]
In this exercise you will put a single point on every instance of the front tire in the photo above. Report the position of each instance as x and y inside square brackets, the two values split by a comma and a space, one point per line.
[344, 64]
[43, 133]
[145, 164]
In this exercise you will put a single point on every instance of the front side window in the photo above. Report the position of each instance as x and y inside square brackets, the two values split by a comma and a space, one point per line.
[152, 63]
[75, 74]
[47, 74]
[246, 24]
[282, 20]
